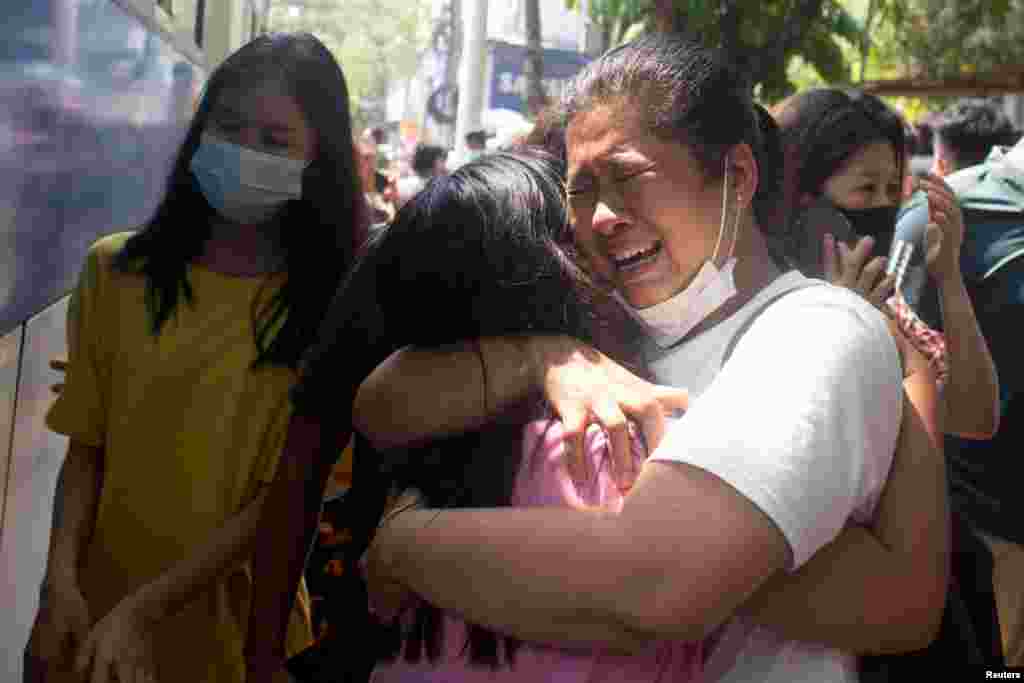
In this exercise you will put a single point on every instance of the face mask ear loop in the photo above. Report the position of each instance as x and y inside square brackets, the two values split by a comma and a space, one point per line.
[725, 205]
[736, 227]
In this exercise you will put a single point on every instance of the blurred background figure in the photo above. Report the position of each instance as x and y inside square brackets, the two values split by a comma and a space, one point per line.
[476, 144]
[428, 161]
[374, 182]
[965, 133]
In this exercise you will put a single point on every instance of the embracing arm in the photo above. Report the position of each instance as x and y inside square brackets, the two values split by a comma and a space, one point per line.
[656, 569]
[878, 590]
[691, 544]
[470, 382]
[389, 409]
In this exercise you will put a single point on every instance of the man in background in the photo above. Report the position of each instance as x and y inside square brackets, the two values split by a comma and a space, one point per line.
[428, 161]
[964, 134]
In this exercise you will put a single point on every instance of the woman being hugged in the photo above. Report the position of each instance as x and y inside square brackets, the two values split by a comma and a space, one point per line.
[184, 342]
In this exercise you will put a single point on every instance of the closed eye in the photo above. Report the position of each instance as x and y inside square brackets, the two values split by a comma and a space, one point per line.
[626, 173]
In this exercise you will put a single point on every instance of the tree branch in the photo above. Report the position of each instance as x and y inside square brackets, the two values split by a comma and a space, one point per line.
[798, 21]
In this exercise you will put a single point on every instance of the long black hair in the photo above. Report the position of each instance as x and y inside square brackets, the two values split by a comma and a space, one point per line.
[690, 94]
[323, 228]
[481, 252]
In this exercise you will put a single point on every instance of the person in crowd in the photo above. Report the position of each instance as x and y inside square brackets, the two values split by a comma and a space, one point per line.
[476, 144]
[428, 161]
[548, 133]
[965, 134]
[184, 339]
[380, 210]
[989, 274]
[759, 486]
[844, 150]
[375, 136]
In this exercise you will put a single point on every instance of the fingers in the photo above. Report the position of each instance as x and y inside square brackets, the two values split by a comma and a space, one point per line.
[651, 419]
[851, 262]
[610, 415]
[49, 641]
[673, 399]
[870, 280]
[871, 276]
[829, 259]
[84, 659]
[885, 288]
[935, 185]
[574, 423]
[933, 238]
[942, 204]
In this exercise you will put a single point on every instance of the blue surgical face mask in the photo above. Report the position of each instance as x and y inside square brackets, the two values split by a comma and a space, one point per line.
[243, 185]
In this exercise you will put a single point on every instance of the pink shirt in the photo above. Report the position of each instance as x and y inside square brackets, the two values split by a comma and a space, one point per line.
[544, 479]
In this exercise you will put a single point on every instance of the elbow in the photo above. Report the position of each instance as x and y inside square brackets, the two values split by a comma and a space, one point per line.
[656, 618]
[988, 425]
[917, 617]
[983, 429]
[977, 420]
[995, 417]
[370, 409]
[914, 631]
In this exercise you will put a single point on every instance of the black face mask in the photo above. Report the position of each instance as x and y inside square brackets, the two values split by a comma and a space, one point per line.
[878, 223]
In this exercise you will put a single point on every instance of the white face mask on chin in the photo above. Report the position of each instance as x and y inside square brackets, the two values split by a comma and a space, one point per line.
[671, 320]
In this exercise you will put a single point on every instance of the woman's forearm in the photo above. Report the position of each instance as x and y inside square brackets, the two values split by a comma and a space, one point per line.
[418, 394]
[286, 530]
[878, 590]
[183, 582]
[972, 391]
[74, 517]
[517, 589]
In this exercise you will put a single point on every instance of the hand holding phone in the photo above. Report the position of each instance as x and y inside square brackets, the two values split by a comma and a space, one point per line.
[834, 252]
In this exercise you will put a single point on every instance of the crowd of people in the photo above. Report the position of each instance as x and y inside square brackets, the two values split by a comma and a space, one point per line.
[674, 388]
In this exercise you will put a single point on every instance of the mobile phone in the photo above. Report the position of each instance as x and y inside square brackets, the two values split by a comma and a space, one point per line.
[812, 224]
[381, 181]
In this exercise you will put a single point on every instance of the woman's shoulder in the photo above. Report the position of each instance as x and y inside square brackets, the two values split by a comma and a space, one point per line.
[99, 260]
[817, 301]
[819, 320]
[111, 243]
[103, 251]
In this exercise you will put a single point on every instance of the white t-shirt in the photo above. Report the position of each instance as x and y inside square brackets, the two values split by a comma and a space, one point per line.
[802, 420]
